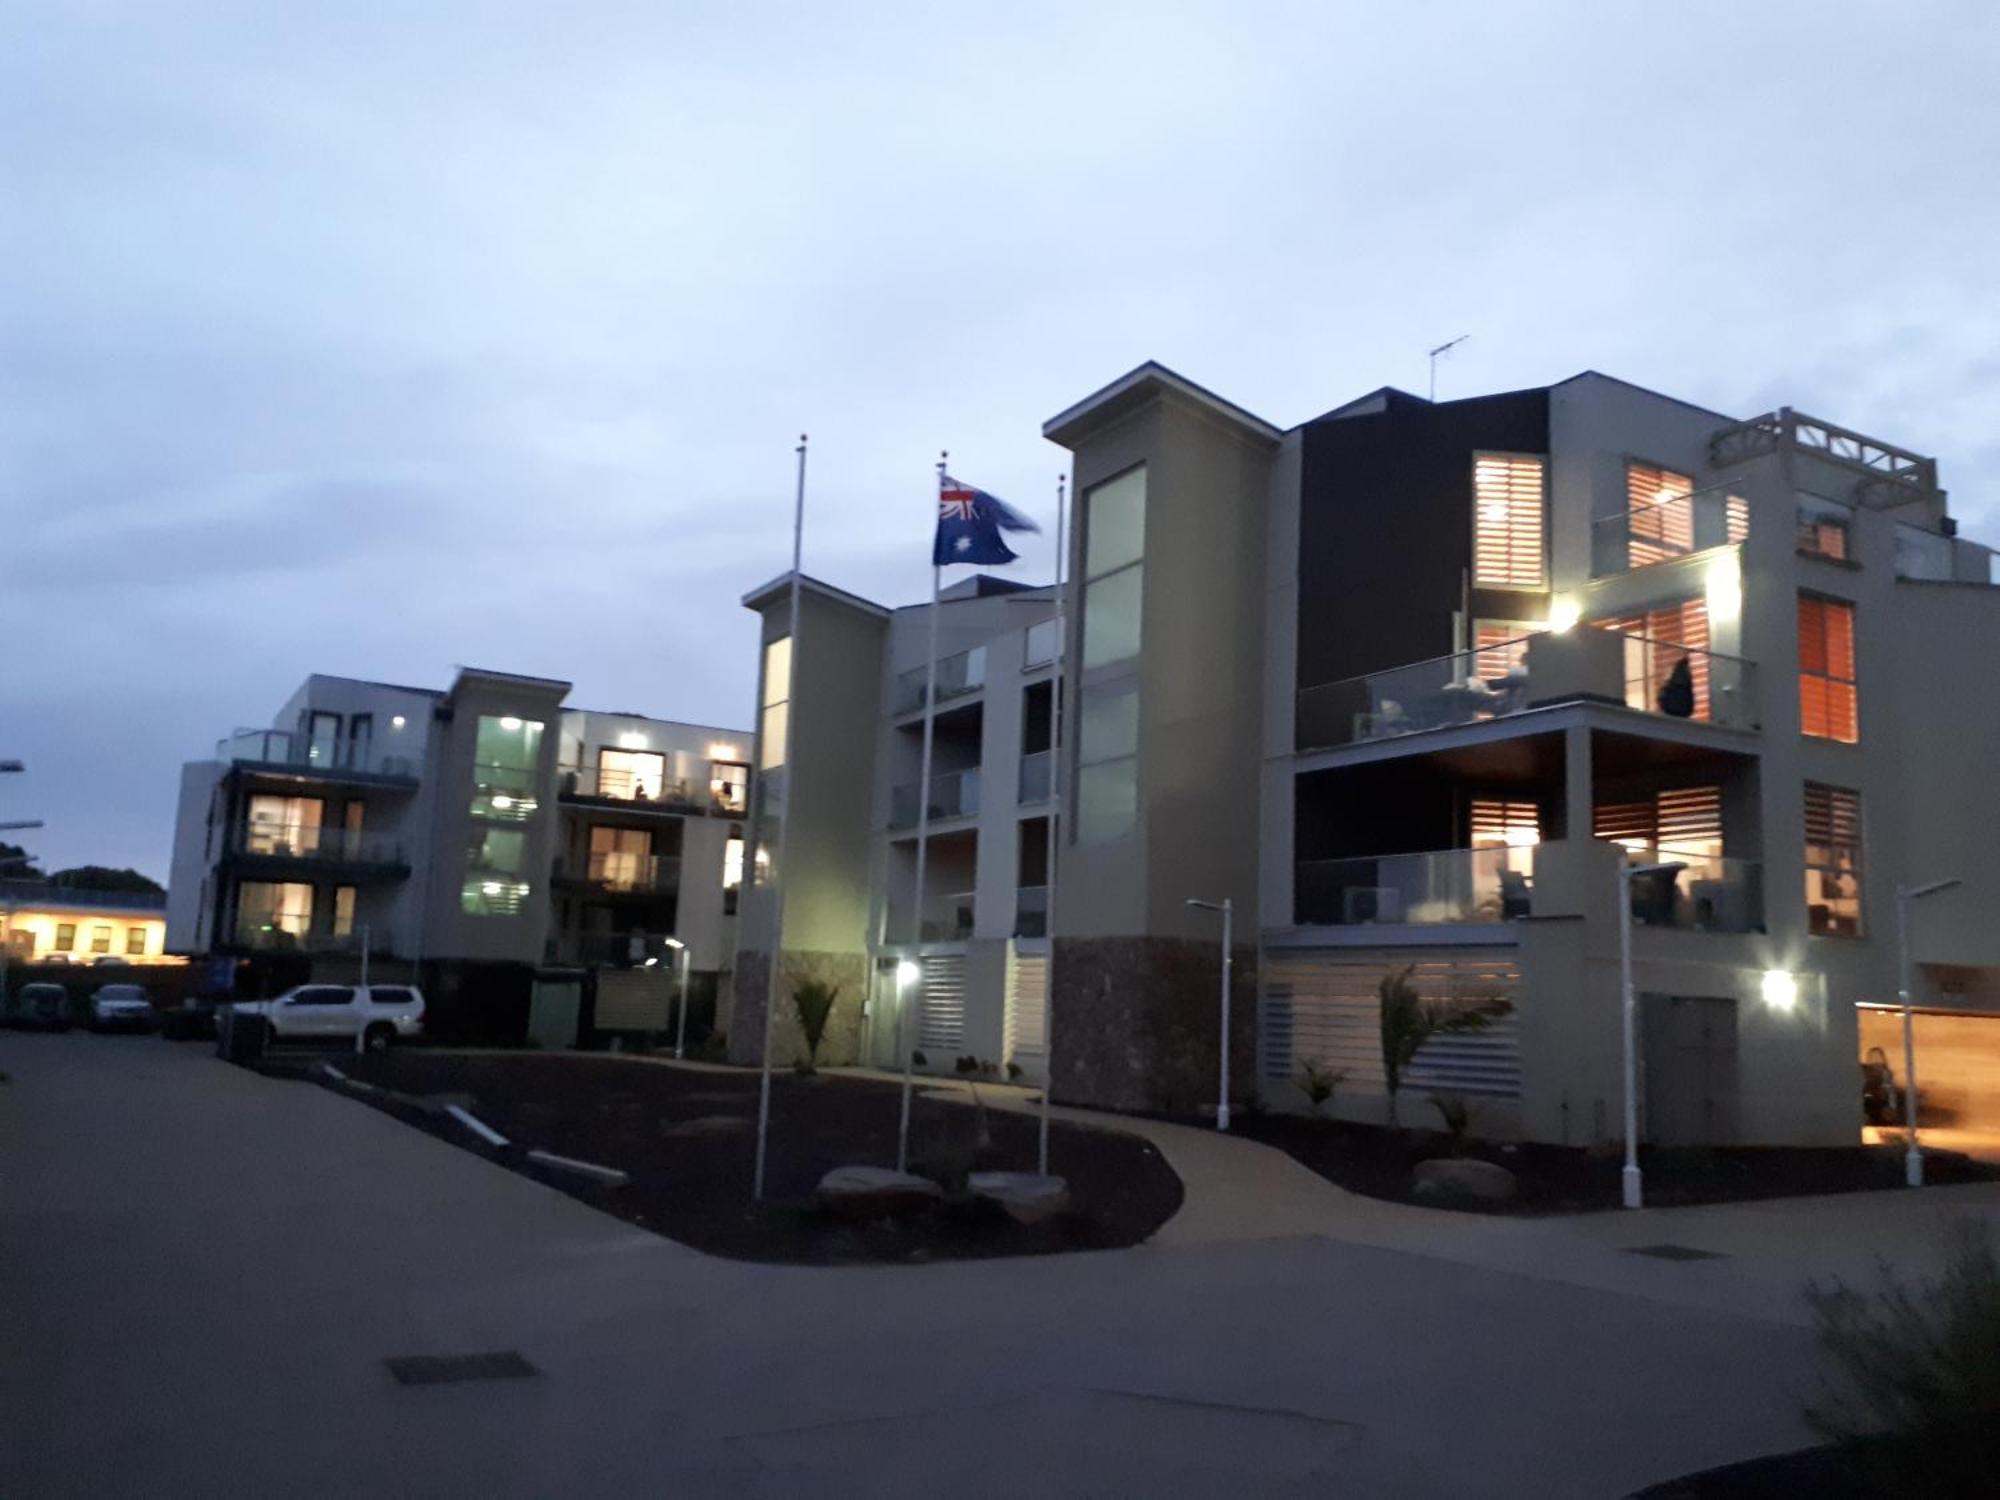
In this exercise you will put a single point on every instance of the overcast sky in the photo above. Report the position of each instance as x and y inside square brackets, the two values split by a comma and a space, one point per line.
[371, 338]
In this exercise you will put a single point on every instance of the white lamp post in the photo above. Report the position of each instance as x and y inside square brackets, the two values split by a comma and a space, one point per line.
[681, 1024]
[1630, 1181]
[1227, 908]
[1913, 1159]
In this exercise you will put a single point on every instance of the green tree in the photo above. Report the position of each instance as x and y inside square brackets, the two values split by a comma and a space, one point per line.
[1409, 1020]
[25, 869]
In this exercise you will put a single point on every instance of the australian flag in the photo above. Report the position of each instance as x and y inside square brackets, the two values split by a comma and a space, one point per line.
[969, 525]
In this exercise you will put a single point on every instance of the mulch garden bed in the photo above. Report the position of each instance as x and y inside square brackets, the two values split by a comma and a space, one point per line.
[686, 1138]
[1555, 1179]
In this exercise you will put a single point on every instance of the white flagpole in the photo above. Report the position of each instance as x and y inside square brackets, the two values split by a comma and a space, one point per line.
[923, 839]
[1055, 814]
[777, 895]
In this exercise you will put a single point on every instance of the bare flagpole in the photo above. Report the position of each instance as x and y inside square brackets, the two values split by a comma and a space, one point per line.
[1055, 841]
[784, 830]
[904, 992]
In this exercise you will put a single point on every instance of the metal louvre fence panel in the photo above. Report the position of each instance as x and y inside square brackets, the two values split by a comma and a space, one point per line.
[1326, 1010]
[942, 1026]
[1028, 1006]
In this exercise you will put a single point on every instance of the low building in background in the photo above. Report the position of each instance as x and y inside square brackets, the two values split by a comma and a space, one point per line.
[471, 838]
[44, 923]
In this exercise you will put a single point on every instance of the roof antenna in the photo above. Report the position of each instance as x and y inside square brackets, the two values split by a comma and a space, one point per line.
[1444, 348]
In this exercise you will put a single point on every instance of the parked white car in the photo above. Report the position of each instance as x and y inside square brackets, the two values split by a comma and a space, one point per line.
[121, 1005]
[380, 1014]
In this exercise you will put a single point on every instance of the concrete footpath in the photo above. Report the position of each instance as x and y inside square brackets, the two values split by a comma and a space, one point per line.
[202, 1272]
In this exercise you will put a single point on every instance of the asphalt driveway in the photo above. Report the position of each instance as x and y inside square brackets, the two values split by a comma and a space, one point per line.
[205, 1270]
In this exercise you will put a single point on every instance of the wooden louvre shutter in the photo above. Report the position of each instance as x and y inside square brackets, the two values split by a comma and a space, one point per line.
[1651, 654]
[1500, 647]
[1659, 516]
[1494, 819]
[1736, 518]
[1686, 820]
[1833, 822]
[1508, 504]
[1827, 703]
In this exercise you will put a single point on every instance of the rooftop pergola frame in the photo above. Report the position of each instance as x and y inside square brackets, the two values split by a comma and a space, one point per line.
[1887, 476]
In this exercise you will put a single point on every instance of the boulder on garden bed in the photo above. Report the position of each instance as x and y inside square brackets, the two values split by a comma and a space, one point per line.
[870, 1193]
[1028, 1197]
[1463, 1177]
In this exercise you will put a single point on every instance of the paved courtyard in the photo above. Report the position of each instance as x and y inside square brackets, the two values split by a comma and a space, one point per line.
[202, 1272]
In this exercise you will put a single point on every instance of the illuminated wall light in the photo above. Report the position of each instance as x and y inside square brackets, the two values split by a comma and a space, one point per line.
[1724, 588]
[908, 972]
[631, 740]
[1564, 611]
[398, 722]
[491, 888]
[721, 750]
[1781, 989]
[511, 724]
[502, 800]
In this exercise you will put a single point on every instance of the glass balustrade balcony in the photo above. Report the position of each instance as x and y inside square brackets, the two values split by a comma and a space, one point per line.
[1446, 885]
[326, 843]
[1673, 527]
[299, 754]
[954, 794]
[622, 874]
[1582, 664]
[1036, 772]
[956, 677]
[1706, 893]
[715, 797]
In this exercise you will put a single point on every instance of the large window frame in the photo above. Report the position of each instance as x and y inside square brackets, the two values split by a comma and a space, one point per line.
[1502, 508]
[1829, 693]
[1833, 847]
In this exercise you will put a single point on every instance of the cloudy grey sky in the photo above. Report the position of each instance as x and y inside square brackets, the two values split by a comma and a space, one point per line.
[371, 338]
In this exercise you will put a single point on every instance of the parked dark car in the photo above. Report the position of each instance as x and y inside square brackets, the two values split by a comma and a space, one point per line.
[39, 1007]
[191, 1021]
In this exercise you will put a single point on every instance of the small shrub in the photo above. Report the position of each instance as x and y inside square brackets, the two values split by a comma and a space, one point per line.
[1014, 1072]
[948, 1163]
[1317, 1082]
[813, 1000]
[712, 1048]
[1458, 1113]
[1920, 1363]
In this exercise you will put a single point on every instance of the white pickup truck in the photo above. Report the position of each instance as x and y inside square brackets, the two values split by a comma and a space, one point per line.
[380, 1014]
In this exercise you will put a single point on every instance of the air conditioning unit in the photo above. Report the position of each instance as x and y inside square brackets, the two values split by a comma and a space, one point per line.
[1371, 903]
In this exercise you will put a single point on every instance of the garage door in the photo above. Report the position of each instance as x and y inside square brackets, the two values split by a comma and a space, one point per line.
[1325, 1008]
[1958, 1068]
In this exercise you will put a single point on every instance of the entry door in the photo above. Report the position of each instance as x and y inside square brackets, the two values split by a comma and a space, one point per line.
[886, 1020]
[1690, 1060]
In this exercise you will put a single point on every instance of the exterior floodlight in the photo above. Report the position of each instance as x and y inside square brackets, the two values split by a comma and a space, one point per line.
[1781, 989]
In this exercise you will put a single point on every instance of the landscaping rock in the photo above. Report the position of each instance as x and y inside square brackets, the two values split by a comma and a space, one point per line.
[1463, 1177]
[1027, 1197]
[707, 1125]
[869, 1193]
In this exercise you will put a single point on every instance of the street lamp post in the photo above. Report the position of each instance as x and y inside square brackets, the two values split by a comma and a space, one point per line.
[1228, 910]
[681, 1023]
[1631, 1182]
[1913, 1159]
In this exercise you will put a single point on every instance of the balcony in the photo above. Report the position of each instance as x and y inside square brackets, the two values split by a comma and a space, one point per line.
[1674, 527]
[1538, 671]
[279, 750]
[1447, 885]
[954, 794]
[955, 925]
[1037, 771]
[591, 784]
[324, 844]
[1706, 893]
[1031, 911]
[617, 874]
[286, 936]
[1709, 893]
[956, 677]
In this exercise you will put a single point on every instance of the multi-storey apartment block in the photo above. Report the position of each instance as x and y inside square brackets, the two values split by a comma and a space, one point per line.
[1444, 692]
[484, 824]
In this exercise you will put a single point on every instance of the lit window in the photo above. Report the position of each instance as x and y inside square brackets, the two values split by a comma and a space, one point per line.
[1501, 648]
[483, 896]
[1686, 822]
[776, 717]
[507, 757]
[1833, 860]
[1657, 644]
[100, 938]
[1508, 505]
[343, 910]
[1736, 518]
[632, 775]
[135, 942]
[65, 937]
[1659, 521]
[1825, 527]
[1827, 703]
[729, 786]
[1498, 824]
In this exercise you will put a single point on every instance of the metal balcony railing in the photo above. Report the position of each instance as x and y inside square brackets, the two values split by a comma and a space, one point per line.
[1673, 527]
[1031, 911]
[722, 800]
[1709, 893]
[955, 924]
[283, 935]
[1445, 885]
[1510, 677]
[328, 843]
[283, 750]
[954, 794]
[956, 676]
[609, 870]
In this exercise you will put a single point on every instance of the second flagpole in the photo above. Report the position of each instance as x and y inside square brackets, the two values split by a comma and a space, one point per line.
[1055, 833]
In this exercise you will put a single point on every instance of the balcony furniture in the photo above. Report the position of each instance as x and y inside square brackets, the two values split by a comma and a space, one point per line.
[1655, 897]
[1515, 901]
[1676, 695]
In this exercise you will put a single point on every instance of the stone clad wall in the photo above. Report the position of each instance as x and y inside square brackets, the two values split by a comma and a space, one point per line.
[1136, 1022]
[842, 1043]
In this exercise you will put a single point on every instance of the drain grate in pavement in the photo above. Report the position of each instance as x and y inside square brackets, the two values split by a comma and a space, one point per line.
[1675, 1252]
[442, 1369]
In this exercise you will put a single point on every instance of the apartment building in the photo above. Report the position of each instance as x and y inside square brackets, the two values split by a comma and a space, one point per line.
[1453, 692]
[484, 824]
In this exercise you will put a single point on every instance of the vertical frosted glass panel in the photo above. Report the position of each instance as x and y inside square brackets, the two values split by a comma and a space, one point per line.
[1111, 617]
[1115, 523]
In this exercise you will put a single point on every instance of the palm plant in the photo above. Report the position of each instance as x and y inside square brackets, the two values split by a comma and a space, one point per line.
[813, 1000]
[1409, 1020]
